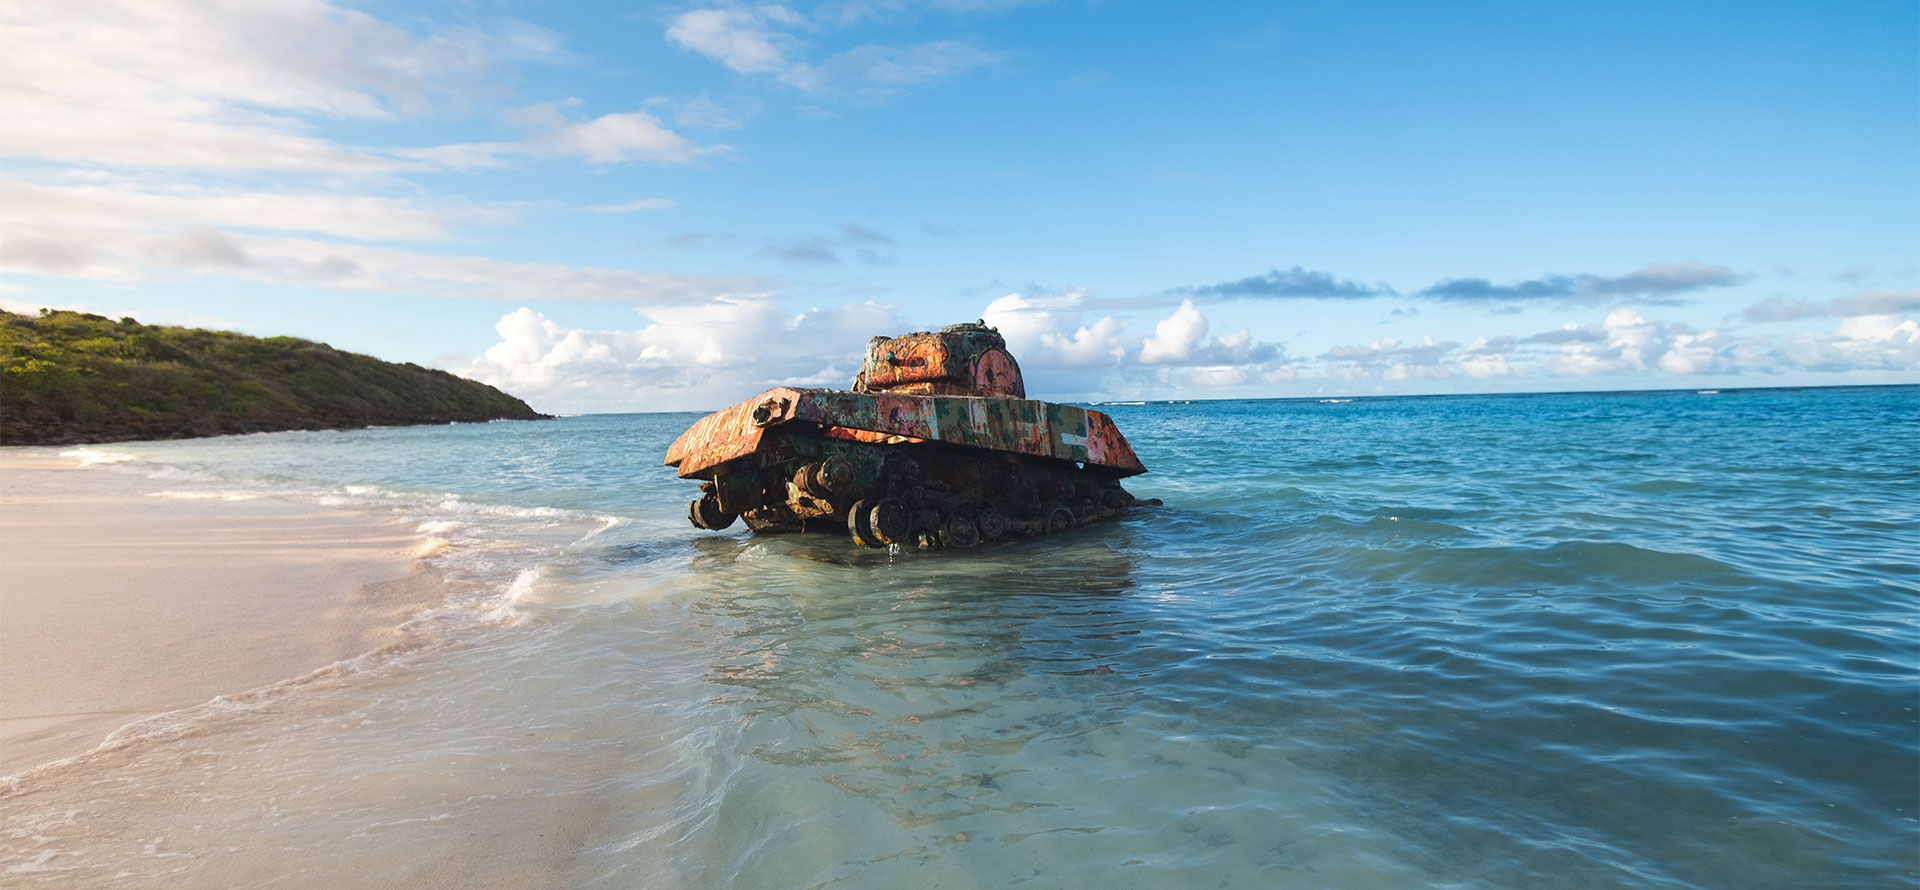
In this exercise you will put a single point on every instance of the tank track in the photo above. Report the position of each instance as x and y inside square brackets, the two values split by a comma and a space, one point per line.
[926, 495]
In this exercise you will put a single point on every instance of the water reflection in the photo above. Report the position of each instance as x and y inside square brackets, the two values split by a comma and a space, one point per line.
[917, 705]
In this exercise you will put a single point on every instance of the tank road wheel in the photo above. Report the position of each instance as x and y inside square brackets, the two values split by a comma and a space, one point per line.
[706, 513]
[860, 528]
[960, 532]
[1058, 518]
[891, 521]
[834, 475]
[825, 479]
[992, 524]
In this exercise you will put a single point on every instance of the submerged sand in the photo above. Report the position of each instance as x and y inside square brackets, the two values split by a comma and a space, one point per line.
[118, 602]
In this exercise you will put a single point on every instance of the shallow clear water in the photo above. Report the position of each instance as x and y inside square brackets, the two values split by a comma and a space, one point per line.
[1632, 640]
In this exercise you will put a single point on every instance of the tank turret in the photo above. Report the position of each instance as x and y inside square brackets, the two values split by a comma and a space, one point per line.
[957, 360]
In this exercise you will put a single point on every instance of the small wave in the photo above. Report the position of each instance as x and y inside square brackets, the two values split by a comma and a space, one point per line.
[453, 504]
[198, 720]
[522, 589]
[1706, 392]
[523, 584]
[1334, 401]
[169, 473]
[208, 495]
[1661, 486]
[92, 456]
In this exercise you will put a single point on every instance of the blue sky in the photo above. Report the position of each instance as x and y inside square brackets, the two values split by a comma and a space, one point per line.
[614, 207]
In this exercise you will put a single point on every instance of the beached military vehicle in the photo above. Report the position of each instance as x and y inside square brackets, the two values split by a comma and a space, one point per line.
[935, 446]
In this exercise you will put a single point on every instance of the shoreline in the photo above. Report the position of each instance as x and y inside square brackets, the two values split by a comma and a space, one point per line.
[94, 439]
[117, 605]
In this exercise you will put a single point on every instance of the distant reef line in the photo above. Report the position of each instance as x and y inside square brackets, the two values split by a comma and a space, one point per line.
[73, 378]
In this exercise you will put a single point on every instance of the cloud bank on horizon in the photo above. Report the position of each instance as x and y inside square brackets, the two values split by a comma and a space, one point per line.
[600, 209]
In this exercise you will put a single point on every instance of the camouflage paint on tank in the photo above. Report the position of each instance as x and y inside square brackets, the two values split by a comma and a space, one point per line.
[1020, 426]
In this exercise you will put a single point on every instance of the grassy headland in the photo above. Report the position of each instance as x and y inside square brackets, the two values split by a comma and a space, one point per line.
[68, 377]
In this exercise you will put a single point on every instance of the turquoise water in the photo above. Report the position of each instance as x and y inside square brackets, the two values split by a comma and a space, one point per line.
[1622, 640]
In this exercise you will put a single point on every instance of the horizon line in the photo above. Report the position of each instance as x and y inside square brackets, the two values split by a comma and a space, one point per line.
[1713, 390]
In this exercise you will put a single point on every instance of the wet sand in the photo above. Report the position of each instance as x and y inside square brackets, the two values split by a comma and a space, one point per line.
[117, 603]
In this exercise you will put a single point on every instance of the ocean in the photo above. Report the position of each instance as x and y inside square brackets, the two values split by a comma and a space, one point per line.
[1646, 640]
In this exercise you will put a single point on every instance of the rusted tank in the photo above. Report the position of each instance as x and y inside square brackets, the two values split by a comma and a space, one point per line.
[935, 446]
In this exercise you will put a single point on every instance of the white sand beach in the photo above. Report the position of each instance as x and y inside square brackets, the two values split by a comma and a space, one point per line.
[117, 602]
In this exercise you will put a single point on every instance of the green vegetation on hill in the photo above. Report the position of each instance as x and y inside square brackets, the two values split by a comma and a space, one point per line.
[69, 377]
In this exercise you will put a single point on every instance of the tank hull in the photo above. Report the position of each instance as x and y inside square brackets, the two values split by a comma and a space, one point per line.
[933, 471]
[1020, 426]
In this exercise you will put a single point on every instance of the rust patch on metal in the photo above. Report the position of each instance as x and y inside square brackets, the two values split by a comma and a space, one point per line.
[962, 360]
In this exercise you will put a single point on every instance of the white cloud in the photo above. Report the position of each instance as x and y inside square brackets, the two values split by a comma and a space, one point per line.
[1629, 336]
[875, 72]
[18, 307]
[1216, 376]
[739, 38]
[1866, 302]
[233, 85]
[633, 206]
[1623, 343]
[1878, 328]
[1174, 337]
[760, 40]
[397, 271]
[1045, 331]
[1388, 359]
[702, 112]
[1181, 339]
[693, 357]
[608, 139]
[1484, 358]
[231, 90]
[123, 232]
[1576, 361]
[127, 255]
[306, 55]
[1877, 302]
[613, 138]
[1101, 343]
[126, 205]
[1689, 353]
[1023, 320]
[703, 354]
[1864, 342]
[1627, 343]
[225, 84]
